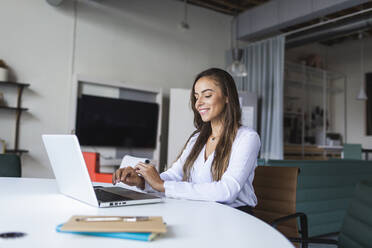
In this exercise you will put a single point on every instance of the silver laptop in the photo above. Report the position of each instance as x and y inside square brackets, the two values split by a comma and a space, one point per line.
[73, 179]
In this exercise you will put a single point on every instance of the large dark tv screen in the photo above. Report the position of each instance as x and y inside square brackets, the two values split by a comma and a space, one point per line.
[103, 121]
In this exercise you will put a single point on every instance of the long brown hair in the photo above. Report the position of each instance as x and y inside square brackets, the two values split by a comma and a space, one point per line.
[231, 116]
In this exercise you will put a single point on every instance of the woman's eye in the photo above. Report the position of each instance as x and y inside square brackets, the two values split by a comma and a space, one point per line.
[208, 96]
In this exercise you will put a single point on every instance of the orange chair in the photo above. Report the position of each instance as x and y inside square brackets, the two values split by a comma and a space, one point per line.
[92, 162]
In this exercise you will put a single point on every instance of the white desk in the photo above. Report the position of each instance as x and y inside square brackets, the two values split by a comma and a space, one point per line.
[35, 207]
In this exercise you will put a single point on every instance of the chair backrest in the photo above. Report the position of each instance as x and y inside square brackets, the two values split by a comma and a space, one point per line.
[275, 188]
[92, 162]
[325, 190]
[10, 165]
[356, 230]
[353, 151]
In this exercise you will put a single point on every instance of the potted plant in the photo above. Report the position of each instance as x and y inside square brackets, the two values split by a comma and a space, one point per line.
[3, 71]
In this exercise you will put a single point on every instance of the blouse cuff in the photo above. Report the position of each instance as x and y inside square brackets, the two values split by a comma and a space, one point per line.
[148, 188]
[169, 188]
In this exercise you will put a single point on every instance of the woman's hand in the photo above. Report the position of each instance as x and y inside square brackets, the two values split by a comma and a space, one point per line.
[129, 176]
[151, 176]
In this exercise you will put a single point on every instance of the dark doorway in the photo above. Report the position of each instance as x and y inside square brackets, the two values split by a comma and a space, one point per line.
[369, 103]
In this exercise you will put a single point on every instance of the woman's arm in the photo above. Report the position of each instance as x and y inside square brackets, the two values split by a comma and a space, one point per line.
[175, 173]
[242, 163]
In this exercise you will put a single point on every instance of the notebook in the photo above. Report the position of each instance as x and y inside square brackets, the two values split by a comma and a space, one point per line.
[144, 228]
[120, 235]
[144, 224]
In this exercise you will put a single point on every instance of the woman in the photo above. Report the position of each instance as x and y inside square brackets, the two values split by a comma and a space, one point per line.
[218, 160]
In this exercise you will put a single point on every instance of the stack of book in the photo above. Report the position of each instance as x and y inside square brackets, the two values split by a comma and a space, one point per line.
[144, 228]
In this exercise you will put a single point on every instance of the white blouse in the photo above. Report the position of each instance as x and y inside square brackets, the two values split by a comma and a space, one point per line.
[235, 187]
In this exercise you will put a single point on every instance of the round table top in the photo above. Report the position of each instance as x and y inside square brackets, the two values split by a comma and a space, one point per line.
[36, 207]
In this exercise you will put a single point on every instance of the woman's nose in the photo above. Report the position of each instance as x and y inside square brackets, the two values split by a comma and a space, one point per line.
[199, 102]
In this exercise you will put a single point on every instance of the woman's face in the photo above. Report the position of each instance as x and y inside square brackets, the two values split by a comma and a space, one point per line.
[210, 101]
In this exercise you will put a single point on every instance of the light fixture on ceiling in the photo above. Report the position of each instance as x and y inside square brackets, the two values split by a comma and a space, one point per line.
[55, 2]
[237, 67]
[362, 93]
[184, 25]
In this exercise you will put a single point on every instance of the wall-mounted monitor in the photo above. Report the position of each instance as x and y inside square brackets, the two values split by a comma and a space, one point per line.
[113, 122]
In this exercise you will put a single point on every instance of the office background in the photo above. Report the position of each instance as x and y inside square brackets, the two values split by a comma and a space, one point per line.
[139, 43]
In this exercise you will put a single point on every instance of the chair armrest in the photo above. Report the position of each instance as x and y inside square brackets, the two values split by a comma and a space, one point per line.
[304, 240]
[314, 241]
[303, 223]
[302, 216]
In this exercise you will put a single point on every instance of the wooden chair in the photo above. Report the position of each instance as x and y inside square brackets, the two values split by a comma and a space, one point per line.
[275, 188]
[10, 165]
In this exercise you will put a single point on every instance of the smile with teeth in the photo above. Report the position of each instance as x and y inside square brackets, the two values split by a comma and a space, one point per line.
[203, 111]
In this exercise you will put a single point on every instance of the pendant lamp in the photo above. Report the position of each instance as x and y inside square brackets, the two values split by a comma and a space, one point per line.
[362, 93]
[184, 25]
[237, 67]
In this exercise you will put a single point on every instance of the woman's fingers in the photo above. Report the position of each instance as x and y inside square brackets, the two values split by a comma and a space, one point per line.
[128, 174]
[122, 174]
[149, 172]
[142, 167]
[116, 176]
[132, 179]
[132, 176]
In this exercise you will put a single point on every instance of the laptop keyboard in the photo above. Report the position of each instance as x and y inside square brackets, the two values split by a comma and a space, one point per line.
[105, 196]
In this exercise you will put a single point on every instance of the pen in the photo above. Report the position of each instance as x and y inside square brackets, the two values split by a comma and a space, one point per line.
[119, 218]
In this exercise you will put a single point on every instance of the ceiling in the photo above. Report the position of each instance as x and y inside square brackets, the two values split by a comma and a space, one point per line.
[341, 37]
[234, 7]
[229, 7]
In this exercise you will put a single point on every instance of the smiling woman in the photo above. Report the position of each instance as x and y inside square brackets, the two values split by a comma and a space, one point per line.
[218, 161]
[210, 101]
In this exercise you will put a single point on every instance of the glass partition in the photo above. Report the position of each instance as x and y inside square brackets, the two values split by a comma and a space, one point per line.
[314, 112]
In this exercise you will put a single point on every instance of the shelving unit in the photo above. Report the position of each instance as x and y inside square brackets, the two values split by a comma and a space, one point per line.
[13, 108]
[18, 112]
[314, 108]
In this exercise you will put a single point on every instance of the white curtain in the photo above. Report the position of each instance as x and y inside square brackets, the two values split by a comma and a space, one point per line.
[265, 67]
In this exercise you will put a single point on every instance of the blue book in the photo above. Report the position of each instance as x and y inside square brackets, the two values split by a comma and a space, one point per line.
[119, 235]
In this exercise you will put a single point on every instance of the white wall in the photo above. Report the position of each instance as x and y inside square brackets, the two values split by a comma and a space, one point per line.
[345, 58]
[135, 41]
[139, 41]
[36, 41]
